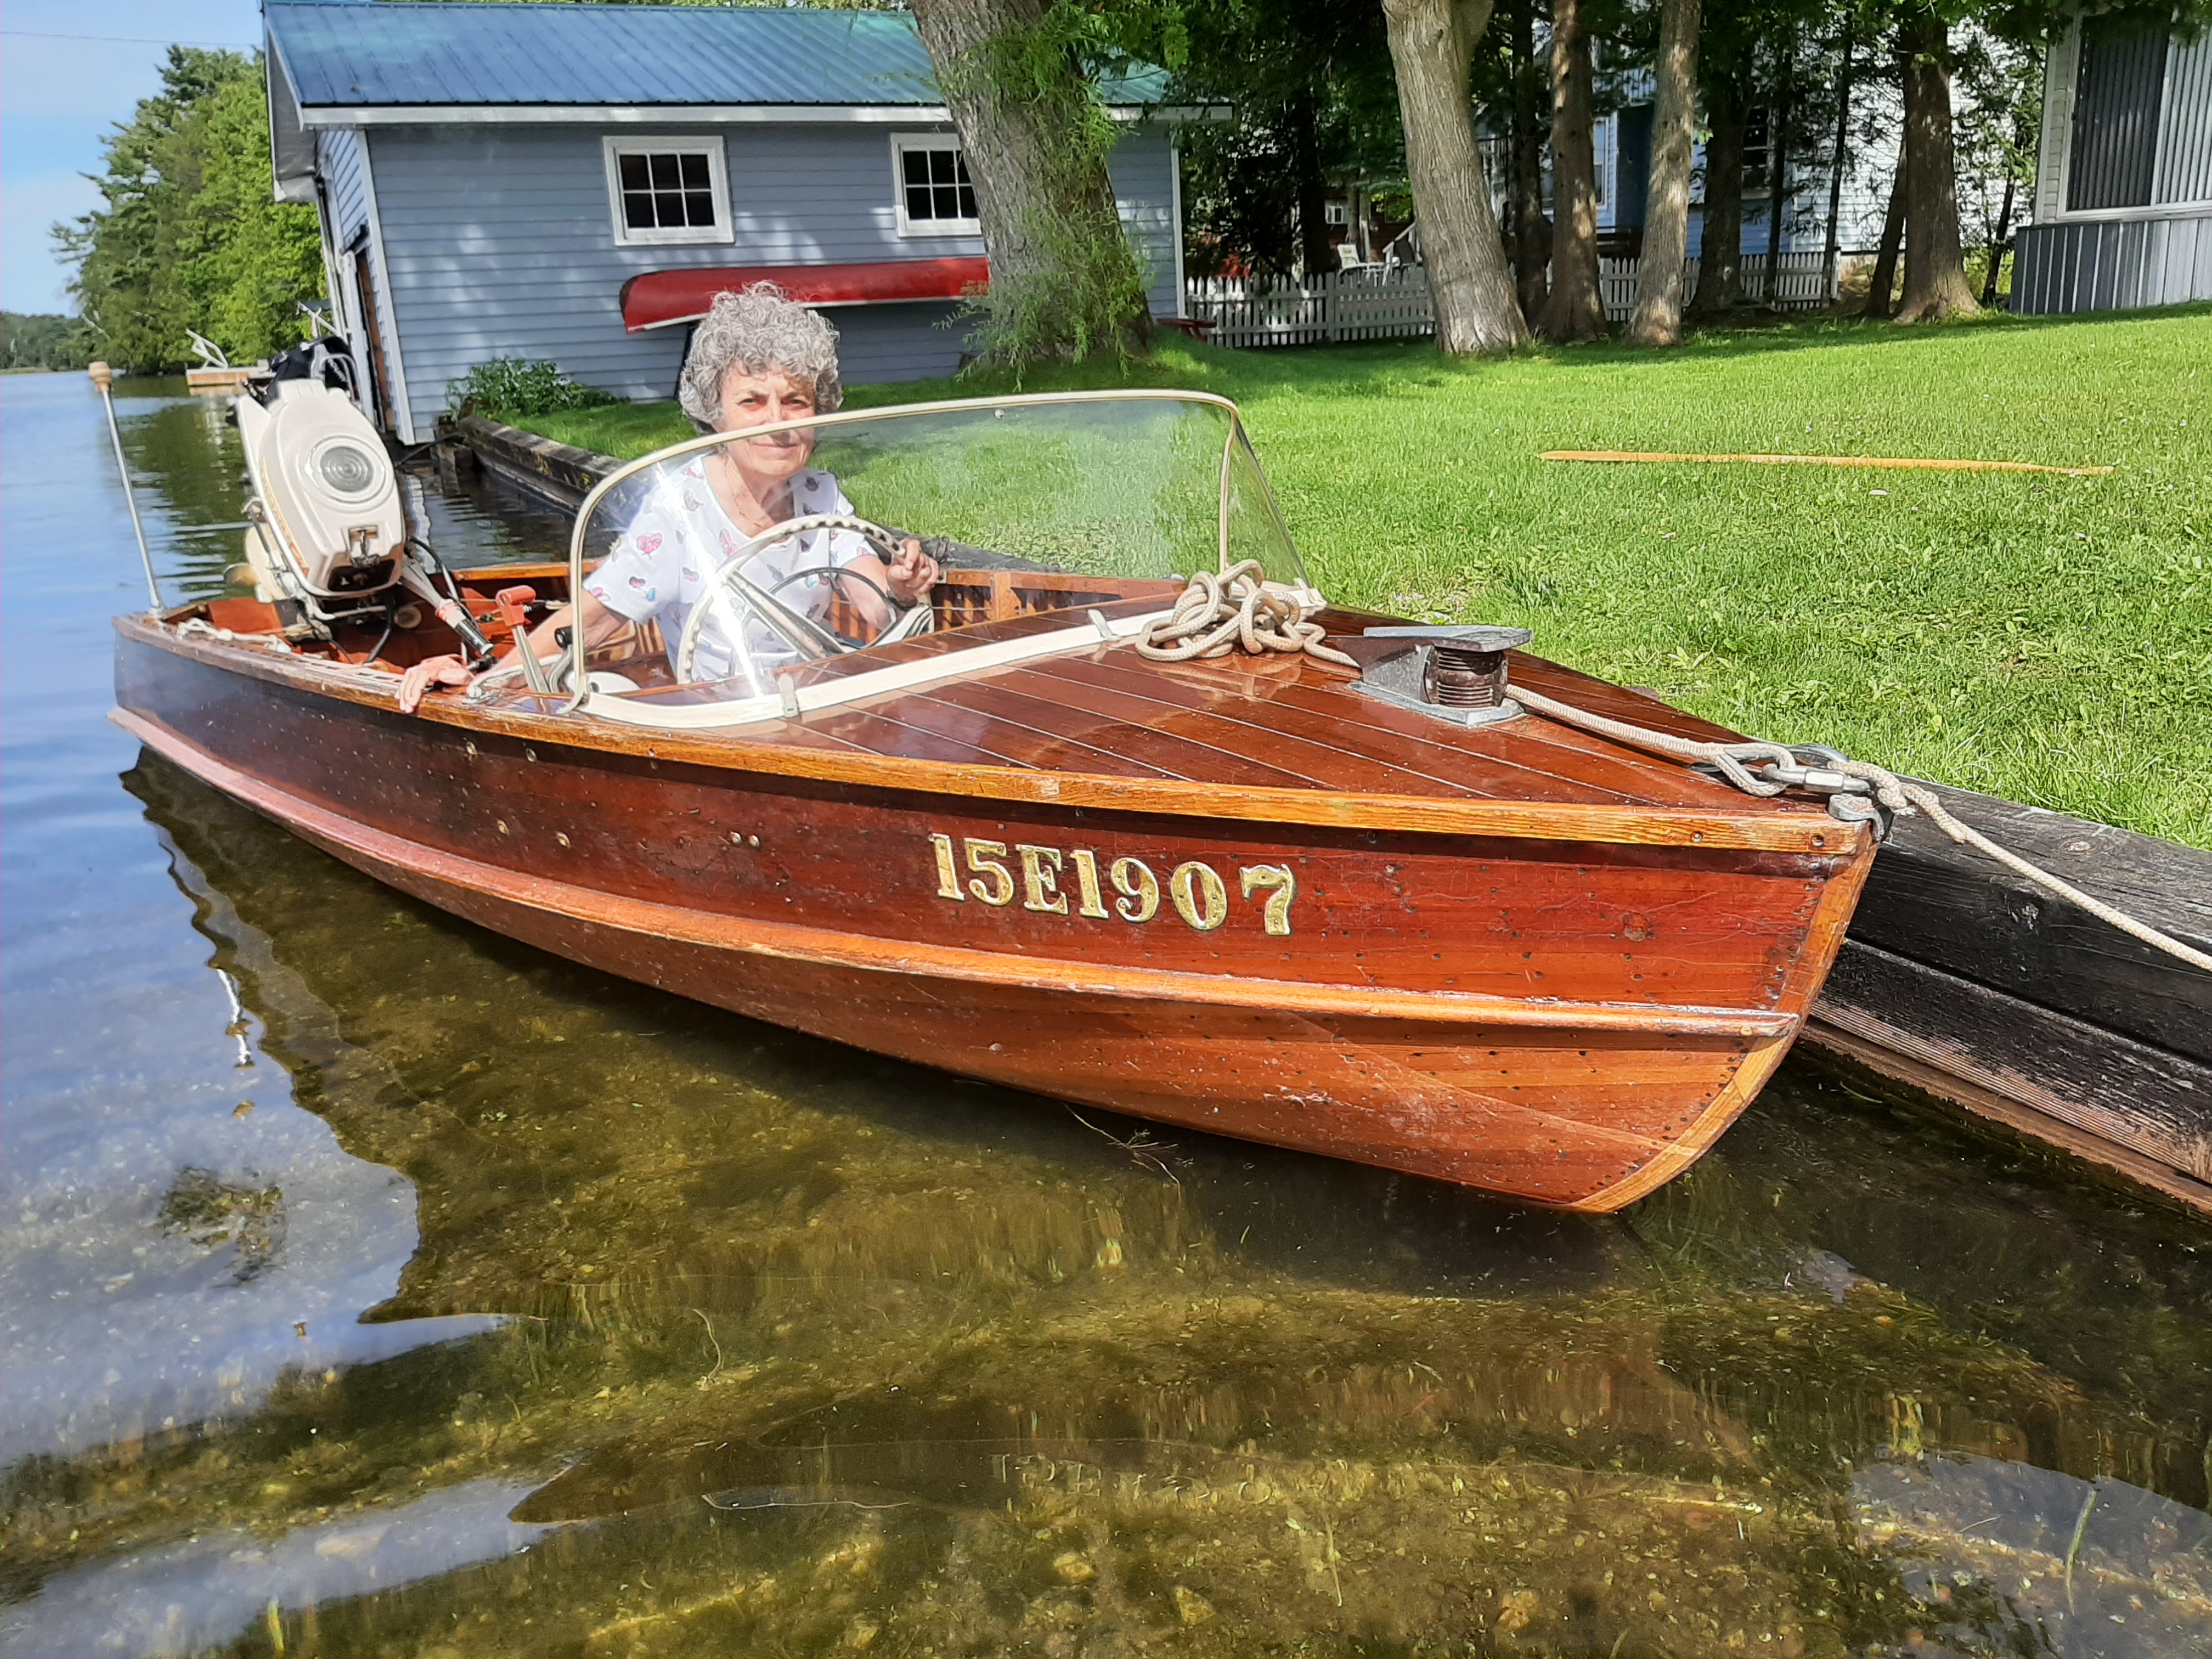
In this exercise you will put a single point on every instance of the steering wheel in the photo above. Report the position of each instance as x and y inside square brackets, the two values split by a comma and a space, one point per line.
[728, 581]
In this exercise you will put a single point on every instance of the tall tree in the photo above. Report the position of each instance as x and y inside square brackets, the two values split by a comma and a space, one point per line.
[1304, 99]
[189, 234]
[1882, 285]
[1432, 43]
[1935, 261]
[1531, 241]
[1015, 75]
[1575, 310]
[1720, 255]
[1657, 320]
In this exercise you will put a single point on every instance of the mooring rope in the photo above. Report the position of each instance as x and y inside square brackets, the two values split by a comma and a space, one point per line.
[1885, 786]
[1235, 610]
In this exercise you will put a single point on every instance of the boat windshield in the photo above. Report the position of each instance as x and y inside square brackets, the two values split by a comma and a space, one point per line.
[748, 564]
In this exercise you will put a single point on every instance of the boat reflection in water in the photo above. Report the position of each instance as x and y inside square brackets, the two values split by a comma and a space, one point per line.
[804, 1351]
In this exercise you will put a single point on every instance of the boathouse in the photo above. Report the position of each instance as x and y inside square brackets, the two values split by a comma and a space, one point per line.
[2124, 174]
[576, 182]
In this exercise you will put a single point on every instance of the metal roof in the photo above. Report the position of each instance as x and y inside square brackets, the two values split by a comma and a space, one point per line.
[454, 54]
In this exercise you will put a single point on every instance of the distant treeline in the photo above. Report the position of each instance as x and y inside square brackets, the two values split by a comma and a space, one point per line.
[41, 340]
[191, 235]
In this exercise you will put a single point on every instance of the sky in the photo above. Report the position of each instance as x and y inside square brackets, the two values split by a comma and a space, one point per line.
[61, 93]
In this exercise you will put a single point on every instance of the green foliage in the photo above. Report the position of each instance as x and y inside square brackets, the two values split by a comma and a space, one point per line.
[41, 340]
[191, 236]
[2045, 639]
[515, 386]
[1310, 98]
[1087, 295]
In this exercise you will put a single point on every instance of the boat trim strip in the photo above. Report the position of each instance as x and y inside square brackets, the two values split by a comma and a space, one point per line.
[788, 702]
[358, 841]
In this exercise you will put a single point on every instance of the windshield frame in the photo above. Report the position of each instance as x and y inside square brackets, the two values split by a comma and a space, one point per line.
[579, 679]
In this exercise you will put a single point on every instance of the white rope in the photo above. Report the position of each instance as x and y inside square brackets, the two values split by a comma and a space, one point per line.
[1885, 786]
[1218, 615]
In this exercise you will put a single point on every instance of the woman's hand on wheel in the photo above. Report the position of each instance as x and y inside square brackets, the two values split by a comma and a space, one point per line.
[912, 575]
[431, 670]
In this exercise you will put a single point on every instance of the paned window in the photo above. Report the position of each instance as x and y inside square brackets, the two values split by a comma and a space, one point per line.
[668, 189]
[935, 196]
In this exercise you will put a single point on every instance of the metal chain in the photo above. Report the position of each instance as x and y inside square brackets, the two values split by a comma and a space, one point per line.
[1841, 779]
[1218, 615]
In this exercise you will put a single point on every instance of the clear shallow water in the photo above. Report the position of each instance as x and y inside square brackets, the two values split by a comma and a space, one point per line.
[370, 1284]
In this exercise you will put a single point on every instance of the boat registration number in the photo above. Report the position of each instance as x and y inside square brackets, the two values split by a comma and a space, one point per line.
[1077, 881]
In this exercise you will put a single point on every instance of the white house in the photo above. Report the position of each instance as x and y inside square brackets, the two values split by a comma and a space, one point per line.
[576, 182]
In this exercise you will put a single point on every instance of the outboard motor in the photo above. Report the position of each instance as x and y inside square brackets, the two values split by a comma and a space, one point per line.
[328, 541]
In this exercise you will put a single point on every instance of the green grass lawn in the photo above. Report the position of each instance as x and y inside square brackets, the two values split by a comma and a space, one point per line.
[2044, 638]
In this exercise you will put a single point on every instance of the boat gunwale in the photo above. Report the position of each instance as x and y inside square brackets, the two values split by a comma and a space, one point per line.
[1756, 825]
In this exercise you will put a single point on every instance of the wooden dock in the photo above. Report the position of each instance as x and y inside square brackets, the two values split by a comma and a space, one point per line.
[1959, 980]
[1962, 980]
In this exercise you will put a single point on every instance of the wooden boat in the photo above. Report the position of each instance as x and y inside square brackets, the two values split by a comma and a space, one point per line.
[1269, 895]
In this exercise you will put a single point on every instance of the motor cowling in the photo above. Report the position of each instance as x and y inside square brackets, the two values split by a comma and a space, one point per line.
[329, 493]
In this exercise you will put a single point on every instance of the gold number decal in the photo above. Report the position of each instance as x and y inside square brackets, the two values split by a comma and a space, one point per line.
[948, 878]
[1280, 884]
[1000, 889]
[1086, 879]
[1041, 886]
[1135, 882]
[1193, 883]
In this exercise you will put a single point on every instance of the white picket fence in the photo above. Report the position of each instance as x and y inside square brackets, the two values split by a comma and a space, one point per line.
[1375, 302]
[1804, 281]
[1372, 303]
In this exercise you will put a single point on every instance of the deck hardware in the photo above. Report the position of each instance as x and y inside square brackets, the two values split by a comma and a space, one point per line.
[1097, 619]
[1456, 674]
[787, 690]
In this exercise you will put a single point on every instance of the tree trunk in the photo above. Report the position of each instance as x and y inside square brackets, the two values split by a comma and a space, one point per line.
[1935, 262]
[1882, 288]
[1575, 310]
[1432, 46]
[1720, 251]
[1778, 183]
[1315, 251]
[1532, 230]
[1658, 318]
[1064, 282]
[1997, 245]
[1836, 161]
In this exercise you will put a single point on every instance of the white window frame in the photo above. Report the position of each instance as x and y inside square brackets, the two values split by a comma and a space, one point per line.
[718, 179]
[900, 143]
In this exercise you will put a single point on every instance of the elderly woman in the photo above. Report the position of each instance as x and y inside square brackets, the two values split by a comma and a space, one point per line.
[756, 359]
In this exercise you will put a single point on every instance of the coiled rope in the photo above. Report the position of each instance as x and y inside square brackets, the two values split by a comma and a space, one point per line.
[1218, 615]
[1883, 785]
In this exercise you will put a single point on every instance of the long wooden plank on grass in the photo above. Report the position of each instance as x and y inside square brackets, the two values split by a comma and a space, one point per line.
[1913, 463]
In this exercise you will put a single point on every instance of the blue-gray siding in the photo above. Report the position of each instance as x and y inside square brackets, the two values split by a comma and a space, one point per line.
[2112, 264]
[2184, 139]
[500, 242]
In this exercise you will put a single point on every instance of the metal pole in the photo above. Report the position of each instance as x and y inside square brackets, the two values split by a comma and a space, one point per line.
[104, 377]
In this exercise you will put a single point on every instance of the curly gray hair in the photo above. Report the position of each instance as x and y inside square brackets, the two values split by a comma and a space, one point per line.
[758, 328]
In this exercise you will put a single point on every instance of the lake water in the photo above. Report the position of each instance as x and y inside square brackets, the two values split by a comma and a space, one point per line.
[374, 1286]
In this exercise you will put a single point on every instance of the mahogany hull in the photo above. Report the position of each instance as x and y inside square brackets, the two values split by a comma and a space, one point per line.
[1558, 1020]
